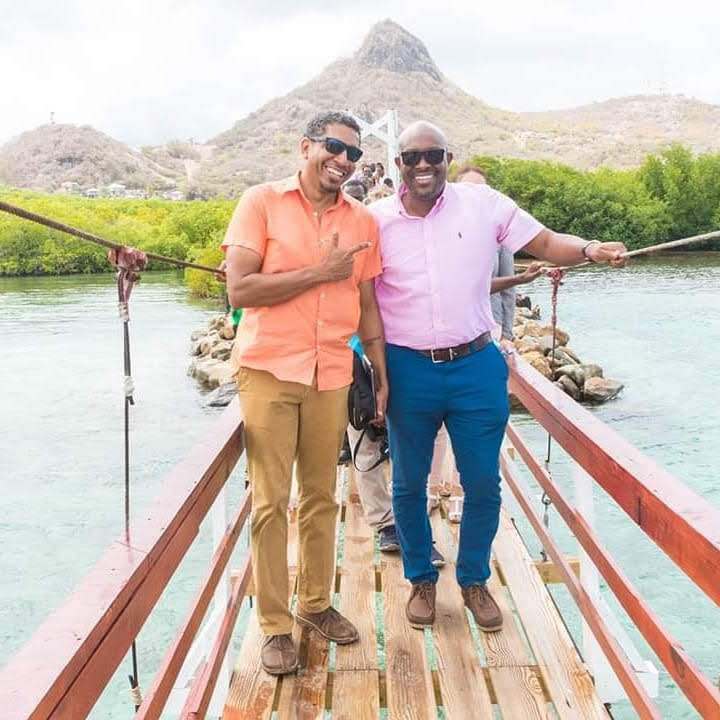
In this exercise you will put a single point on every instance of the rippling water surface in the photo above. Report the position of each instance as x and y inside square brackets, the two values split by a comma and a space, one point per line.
[654, 327]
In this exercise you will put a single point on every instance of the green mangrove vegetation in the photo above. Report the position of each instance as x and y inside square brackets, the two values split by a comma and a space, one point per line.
[672, 194]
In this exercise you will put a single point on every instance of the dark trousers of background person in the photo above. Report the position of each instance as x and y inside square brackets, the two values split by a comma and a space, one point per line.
[470, 395]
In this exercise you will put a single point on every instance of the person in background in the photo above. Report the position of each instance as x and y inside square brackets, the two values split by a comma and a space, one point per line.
[368, 177]
[389, 183]
[379, 173]
[438, 243]
[355, 189]
[302, 258]
[369, 455]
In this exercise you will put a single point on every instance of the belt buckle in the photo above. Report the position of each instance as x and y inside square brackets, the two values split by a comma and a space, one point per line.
[438, 361]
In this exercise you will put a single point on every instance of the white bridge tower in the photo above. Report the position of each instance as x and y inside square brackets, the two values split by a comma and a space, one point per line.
[388, 135]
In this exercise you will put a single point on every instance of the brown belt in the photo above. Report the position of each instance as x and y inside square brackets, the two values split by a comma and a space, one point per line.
[441, 355]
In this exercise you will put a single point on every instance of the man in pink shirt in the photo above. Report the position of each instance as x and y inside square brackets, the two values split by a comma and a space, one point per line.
[438, 242]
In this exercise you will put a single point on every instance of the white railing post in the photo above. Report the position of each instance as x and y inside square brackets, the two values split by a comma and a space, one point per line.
[219, 514]
[206, 637]
[608, 686]
[392, 147]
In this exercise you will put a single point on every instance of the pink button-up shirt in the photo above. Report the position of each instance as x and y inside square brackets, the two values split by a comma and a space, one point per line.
[434, 291]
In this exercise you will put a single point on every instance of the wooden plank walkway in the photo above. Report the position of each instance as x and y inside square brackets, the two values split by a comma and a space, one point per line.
[530, 669]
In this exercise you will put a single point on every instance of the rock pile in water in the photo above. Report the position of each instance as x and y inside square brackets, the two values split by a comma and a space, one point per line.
[210, 366]
[584, 382]
[533, 341]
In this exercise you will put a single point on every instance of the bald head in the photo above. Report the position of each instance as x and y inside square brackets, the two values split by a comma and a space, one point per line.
[423, 161]
[421, 129]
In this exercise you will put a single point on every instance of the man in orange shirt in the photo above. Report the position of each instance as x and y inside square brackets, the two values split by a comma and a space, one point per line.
[301, 259]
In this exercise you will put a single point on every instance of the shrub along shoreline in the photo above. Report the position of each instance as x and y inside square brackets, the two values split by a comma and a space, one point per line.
[673, 194]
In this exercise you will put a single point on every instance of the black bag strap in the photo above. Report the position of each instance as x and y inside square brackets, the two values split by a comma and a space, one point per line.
[380, 461]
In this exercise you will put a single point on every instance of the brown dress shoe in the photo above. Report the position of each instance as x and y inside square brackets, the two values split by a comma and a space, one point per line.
[483, 608]
[330, 624]
[278, 655]
[420, 608]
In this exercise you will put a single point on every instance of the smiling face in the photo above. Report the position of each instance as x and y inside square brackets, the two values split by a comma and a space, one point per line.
[324, 172]
[424, 181]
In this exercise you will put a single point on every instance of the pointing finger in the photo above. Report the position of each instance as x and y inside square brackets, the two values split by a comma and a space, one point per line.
[358, 248]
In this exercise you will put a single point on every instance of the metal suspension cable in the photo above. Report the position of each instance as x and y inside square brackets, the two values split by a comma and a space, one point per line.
[682, 242]
[129, 262]
[68, 229]
[556, 275]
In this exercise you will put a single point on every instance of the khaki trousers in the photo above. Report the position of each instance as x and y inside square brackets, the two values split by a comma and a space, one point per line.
[371, 485]
[287, 422]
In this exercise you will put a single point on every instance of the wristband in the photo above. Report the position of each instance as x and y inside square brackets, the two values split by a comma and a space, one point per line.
[586, 246]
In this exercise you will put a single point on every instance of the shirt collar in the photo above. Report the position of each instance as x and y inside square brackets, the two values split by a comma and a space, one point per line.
[292, 183]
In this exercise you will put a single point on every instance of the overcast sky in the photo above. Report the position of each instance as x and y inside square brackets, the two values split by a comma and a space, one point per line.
[146, 71]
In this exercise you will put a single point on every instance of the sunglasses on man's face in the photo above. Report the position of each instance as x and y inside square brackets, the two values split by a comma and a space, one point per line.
[413, 157]
[336, 147]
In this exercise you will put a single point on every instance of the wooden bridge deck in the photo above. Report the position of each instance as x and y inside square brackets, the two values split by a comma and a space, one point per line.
[529, 670]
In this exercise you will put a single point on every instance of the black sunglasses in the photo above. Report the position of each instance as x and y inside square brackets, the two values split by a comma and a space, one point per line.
[336, 147]
[412, 157]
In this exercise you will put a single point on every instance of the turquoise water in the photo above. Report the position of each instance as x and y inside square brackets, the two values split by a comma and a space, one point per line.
[654, 326]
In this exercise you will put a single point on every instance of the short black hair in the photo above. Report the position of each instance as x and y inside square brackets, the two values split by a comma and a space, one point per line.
[355, 185]
[388, 181]
[318, 124]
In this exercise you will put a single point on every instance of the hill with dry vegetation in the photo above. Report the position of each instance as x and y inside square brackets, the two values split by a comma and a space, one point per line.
[392, 69]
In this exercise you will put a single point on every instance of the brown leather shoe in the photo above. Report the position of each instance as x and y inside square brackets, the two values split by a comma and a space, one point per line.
[420, 608]
[278, 655]
[483, 608]
[330, 624]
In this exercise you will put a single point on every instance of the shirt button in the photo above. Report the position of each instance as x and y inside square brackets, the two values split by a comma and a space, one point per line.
[320, 322]
[322, 295]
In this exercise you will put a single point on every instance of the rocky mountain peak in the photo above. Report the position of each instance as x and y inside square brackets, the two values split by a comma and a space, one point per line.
[390, 47]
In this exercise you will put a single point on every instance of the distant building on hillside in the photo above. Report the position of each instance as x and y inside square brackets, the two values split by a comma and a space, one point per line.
[70, 187]
[116, 190]
[92, 193]
[174, 195]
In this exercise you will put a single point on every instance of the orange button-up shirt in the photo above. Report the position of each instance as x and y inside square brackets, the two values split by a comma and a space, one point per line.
[309, 332]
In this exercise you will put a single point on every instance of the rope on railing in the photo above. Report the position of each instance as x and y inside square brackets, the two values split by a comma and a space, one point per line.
[135, 695]
[682, 242]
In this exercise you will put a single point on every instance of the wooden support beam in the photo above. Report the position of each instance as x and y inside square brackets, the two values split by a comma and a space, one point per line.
[697, 688]
[641, 701]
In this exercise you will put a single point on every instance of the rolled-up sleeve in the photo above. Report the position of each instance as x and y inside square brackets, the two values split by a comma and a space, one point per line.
[248, 225]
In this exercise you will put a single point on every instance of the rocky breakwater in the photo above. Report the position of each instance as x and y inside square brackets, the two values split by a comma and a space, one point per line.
[584, 382]
[210, 349]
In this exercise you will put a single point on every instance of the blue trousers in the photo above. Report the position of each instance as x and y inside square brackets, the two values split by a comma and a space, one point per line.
[469, 394]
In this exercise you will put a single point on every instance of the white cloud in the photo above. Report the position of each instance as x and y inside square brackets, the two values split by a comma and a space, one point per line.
[147, 72]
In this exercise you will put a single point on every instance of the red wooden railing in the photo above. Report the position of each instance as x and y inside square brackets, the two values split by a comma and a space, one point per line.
[63, 669]
[65, 666]
[678, 521]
